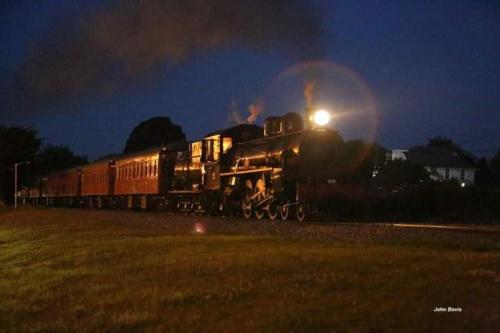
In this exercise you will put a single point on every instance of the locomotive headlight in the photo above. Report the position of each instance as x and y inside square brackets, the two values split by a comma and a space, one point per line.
[321, 118]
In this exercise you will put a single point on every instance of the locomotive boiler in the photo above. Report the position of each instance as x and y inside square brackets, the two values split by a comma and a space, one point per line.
[282, 172]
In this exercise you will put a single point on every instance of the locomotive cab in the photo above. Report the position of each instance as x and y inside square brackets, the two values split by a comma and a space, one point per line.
[215, 149]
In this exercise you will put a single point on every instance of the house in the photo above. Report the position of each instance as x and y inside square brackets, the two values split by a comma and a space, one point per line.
[439, 162]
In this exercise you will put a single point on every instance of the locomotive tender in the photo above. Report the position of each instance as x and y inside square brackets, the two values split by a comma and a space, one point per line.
[283, 170]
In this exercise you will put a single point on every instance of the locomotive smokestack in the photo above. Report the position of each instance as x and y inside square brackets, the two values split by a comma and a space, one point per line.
[308, 94]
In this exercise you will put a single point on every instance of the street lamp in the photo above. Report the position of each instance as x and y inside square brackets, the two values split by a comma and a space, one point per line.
[15, 180]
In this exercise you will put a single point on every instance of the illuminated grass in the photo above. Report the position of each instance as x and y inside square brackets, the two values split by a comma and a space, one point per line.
[64, 270]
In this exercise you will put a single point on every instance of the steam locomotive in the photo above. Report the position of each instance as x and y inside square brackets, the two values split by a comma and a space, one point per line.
[282, 170]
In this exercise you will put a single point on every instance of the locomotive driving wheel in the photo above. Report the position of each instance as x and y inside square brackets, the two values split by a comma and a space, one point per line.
[300, 211]
[273, 211]
[284, 211]
[259, 213]
[247, 208]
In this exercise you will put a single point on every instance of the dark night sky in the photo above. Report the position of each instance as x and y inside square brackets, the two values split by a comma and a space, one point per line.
[406, 70]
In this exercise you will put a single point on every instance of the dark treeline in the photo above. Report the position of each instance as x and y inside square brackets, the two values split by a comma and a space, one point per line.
[396, 190]
[430, 202]
[19, 144]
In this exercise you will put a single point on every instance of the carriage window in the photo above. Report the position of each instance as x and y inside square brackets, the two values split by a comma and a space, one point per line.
[227, 143]
[212, 147]
[216, 147]
[196, 152]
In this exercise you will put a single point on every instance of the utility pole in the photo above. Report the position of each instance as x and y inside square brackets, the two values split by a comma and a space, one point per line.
[16, 165]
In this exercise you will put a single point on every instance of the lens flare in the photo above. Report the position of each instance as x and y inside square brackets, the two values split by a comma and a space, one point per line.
[337, 88]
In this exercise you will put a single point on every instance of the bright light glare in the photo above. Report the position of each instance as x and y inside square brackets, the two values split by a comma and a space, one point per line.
[199, 228]
[321, 117]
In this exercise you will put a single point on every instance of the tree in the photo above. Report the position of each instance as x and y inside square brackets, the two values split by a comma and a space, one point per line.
[451, 146]
[356, 160]
[52, 158]
[399, 174]
[495, 167]
[17, 144]
[153, 132]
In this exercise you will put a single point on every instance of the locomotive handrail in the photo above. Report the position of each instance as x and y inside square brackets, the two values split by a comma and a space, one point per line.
[224, 174]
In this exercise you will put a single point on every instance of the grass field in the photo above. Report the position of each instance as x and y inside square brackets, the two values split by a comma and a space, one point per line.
[78, 270]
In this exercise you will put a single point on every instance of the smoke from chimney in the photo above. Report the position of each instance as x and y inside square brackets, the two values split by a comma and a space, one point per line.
[255, 110]
[309, 93]
[127, 43]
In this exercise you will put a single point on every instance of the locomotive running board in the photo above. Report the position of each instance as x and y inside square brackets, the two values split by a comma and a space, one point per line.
[184, 192]
[234, 173]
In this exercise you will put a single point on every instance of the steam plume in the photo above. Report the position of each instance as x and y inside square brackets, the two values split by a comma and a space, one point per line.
[129, 42]
[255, 110]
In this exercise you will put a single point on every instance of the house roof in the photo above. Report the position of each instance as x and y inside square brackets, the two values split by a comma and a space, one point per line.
[436, 157]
